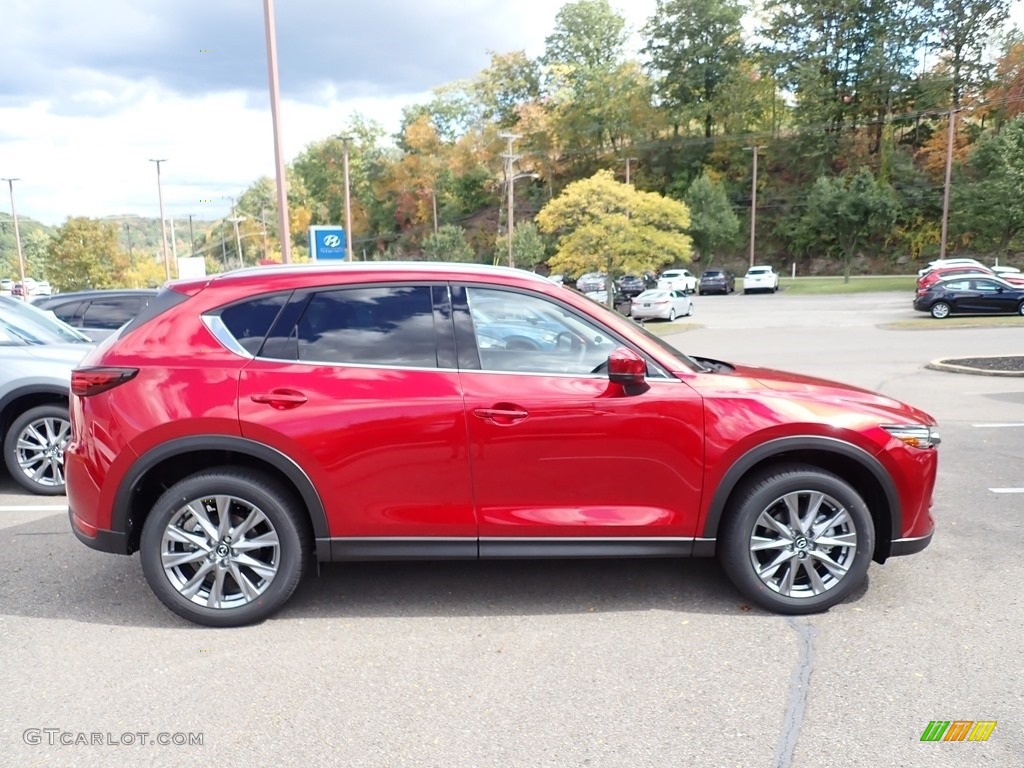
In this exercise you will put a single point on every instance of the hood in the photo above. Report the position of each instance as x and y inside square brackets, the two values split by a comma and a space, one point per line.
[825, 389]
[59, 353]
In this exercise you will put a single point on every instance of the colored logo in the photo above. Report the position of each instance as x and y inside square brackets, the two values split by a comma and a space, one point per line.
[958, 730]
[332, 241]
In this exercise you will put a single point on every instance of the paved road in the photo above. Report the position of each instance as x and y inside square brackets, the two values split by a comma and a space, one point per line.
[572, 663]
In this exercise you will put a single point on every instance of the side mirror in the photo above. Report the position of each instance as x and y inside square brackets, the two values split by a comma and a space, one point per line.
[626, 367]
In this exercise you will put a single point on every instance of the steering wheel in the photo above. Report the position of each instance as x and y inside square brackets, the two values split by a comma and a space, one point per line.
[577, 346]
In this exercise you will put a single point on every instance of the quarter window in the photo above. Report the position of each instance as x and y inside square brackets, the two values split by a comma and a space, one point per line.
[110, 314]
[387, 325]
[249, 321]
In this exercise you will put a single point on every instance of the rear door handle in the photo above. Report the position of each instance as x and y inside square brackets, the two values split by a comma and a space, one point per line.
[281, 399]
[508, 415]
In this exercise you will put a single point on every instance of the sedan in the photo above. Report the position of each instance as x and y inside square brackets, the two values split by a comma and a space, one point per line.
[716, 281]
[664, 305]
[971, 295]
[592, 281]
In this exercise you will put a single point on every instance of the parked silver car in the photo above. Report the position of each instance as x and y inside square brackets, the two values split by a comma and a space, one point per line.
[37, 353]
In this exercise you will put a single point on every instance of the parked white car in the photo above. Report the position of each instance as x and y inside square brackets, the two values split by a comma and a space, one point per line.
[761, 279]
[939, 263]
[664, 305]
[677, 280]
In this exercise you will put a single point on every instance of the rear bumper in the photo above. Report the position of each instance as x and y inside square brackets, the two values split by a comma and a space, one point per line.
[910, 546]
[96, 538]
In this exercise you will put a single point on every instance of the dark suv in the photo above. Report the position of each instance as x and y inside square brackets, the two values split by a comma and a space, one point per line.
[97, 313]
[245, 423]
[716, 281]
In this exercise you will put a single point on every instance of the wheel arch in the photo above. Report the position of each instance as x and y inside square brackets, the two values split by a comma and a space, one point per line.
[159, 468]
[19, 400]
[854, 465]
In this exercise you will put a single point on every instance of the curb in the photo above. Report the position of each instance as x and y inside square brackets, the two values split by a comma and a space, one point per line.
[940, 364]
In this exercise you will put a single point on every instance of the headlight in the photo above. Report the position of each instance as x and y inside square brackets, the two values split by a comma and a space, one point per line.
[914, 435]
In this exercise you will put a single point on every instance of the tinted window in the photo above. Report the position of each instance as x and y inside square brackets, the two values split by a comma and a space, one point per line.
[987, 286]
[956, 285]
[67, 312]
[375, 326]
[249, 321]
[110, 314]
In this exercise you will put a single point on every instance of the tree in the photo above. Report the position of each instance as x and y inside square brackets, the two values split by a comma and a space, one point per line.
[844, 212]
[449, 244]
[965, 30]
[604, 225]
[588, 37]
[992, 207]
[713, 221]
[85, 253]
[693, 47]
[528, 246]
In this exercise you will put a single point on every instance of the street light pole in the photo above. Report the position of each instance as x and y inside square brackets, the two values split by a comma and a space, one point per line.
[163, 221]
[17, 239]
[348, 201]
[509, 159]
[275, 108]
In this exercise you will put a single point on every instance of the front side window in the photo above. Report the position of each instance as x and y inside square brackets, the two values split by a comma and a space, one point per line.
[528, 334]
[386, 325]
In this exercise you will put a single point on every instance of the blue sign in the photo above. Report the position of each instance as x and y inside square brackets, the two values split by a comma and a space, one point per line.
[327, 243]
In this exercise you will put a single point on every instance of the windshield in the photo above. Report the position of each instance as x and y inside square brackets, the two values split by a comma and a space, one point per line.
[36, 326]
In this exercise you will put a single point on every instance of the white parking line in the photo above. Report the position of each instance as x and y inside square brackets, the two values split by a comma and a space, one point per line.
[1001, 424]
[36, 508]
[1007, 490]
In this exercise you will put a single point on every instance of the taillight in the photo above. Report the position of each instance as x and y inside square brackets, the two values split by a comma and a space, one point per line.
[86, 382]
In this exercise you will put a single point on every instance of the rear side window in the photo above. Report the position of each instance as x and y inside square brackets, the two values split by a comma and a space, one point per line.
[110, 314]
[69, 312]
[387, 325]
[250, 321]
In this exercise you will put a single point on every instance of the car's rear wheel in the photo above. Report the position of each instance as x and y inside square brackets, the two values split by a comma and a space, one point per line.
[224, 547]
[672, 314]
[797, 539]
[1020, 309]
[940, 310]
[34, 449]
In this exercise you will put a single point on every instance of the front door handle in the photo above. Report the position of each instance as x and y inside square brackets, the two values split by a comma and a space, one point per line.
[502, 414]
[281, 399]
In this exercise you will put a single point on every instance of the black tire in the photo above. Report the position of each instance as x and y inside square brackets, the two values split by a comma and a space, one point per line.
[940, 310]
[38, 436]
[763, 493]
[248, 490]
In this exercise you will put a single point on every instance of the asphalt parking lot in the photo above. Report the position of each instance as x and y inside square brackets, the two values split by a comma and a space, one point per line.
[592, 663]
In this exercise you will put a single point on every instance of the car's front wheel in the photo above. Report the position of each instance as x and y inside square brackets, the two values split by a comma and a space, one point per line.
[224, 547]
[797, 539]
[34, 449]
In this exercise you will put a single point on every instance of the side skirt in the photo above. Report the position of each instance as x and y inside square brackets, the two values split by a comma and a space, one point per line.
[353, 549]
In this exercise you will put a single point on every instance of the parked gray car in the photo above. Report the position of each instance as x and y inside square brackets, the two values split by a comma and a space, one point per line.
[97, 313]
[37, 353]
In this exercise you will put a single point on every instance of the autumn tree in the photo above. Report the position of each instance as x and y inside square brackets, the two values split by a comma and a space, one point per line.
[85, 253]
[991, 206]
[528, 246]
[448, 244]
[604, 225]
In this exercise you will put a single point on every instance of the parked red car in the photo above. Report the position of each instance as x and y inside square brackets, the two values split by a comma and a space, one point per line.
[929, 279]
[244, 423]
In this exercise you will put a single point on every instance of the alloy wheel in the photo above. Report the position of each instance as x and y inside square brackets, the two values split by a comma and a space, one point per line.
[40, 450]
[803, 544]
[220, 551]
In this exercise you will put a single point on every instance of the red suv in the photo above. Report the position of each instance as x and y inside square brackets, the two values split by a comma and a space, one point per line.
[247, 423]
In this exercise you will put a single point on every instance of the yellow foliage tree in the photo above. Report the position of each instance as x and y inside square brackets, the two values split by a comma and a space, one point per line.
[604, 225]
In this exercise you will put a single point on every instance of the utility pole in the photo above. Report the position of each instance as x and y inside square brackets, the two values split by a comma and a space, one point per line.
[509, 159]
[163, 221]
[17, 239]
[131, 251]
[433, 200]
[263, 221]
[949, 175]
[174, 247]
[275, 108]
[628, 161]
[191, 238]
[753, 203]
[348, 201]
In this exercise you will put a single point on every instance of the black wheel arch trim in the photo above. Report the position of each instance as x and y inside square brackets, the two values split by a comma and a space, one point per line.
[280, 461]
[45, 389]
[783, 445]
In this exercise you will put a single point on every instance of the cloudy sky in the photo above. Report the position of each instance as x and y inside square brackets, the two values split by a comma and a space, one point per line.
[90, 91]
